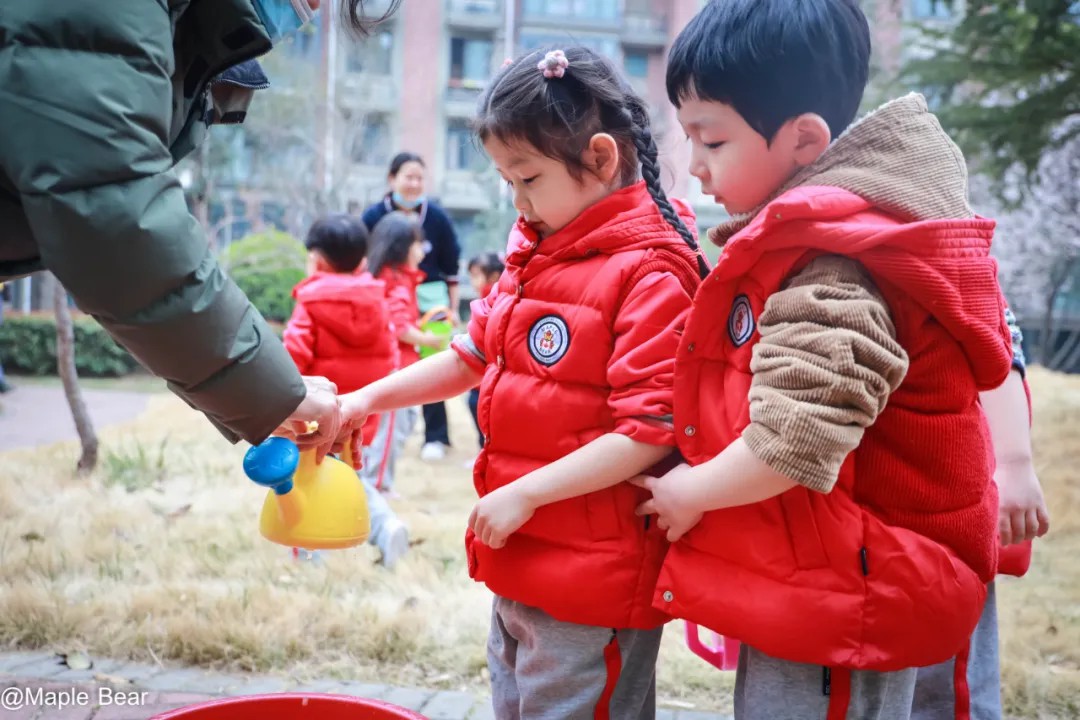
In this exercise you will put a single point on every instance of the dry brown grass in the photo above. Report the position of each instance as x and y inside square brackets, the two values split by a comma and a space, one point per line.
[1040, 613]
[89, 564]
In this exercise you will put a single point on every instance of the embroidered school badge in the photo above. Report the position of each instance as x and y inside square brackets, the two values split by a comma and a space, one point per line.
[740, 324]
[549, 339]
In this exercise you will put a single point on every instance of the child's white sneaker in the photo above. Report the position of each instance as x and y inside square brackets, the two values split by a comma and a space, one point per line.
[433, 451]
[396, 543]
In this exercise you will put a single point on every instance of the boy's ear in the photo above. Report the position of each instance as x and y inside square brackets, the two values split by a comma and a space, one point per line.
[601, 157]
[810, 138]
[317, 263]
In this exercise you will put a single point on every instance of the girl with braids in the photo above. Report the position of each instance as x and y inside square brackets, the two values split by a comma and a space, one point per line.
[573, 351]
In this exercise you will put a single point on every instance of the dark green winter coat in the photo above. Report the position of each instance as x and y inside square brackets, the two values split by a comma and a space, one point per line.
[98, 101]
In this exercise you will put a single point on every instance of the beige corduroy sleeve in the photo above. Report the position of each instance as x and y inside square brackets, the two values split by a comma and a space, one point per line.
[826, 364]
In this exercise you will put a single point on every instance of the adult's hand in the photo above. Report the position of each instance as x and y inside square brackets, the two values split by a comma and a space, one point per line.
[320, 406]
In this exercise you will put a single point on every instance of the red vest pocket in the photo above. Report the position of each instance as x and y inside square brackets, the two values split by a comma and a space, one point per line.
[803, 530]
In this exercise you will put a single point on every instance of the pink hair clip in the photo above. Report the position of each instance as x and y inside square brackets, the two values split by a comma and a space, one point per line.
[508, 62]
[554, 64]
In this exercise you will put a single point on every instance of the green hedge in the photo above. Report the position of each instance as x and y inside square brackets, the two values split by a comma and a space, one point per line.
[267, 266]
[28, 346]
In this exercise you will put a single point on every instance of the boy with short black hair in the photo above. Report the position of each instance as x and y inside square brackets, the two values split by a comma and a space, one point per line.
[839, 516]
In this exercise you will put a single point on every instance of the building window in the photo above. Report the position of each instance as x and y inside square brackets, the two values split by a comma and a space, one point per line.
[930, 10]
[371, 140]
[637, 64]
[470, 61]
[374, 56]
[461, 150]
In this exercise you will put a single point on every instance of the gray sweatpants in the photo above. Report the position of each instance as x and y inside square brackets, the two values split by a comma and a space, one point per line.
[544, 669]
[380, 457]
[770, 689]
[935, 691]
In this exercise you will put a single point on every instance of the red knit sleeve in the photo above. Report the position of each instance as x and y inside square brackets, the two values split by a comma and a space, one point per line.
[642, 367]
[399, 305]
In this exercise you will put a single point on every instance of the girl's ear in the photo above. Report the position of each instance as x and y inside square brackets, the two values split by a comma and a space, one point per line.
[601, 157]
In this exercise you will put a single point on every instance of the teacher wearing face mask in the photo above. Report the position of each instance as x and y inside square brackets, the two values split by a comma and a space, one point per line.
[98, 102]
[407, 180]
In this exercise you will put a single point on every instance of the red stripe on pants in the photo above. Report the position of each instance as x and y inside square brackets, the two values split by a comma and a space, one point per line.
[386, 450]
[839, 693]
[961, 689]
[613, 663]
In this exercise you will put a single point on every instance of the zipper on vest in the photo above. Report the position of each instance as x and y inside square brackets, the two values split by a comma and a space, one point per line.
[864, 560]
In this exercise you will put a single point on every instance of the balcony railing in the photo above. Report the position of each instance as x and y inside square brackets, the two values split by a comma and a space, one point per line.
[644, 30]
[368, 92]
[475, 14]
[461, 97]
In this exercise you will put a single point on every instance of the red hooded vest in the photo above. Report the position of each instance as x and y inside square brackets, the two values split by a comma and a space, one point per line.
[578, 340]
[341, 330]
[888, 570]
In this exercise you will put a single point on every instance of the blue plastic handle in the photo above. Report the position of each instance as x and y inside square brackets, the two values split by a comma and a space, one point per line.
[273, 464]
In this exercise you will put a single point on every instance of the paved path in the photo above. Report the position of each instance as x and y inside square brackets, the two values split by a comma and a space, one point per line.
[34, 684]
[32, 415]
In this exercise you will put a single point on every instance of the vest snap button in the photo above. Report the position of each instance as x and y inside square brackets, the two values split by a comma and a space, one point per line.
[690, 431]
[668, 596]
[690, 347]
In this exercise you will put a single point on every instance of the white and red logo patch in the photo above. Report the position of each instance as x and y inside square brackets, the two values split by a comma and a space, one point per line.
[740, 324]
[549, 339]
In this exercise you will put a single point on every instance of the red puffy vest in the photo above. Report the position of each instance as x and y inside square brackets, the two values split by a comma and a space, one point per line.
[888, 570]
[557, 377]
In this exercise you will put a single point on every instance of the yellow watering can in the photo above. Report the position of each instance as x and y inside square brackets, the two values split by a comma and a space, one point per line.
[316, 507]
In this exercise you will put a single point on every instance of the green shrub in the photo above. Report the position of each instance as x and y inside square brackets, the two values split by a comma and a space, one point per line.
[267, 266]
[28, 345]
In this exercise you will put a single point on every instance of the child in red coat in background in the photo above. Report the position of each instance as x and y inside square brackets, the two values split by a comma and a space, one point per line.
[341, 330]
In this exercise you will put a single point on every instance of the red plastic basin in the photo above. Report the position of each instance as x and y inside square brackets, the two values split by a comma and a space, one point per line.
[290, 706]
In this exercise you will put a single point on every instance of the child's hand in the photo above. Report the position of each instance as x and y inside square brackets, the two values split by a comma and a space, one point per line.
[675, 513]
[499, 514]
[436, 342]
[1022, 513]
[355, 409]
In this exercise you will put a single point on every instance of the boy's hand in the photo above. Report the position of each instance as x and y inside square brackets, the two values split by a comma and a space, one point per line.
[1022, 513]
[355, 409]
[499, 514]
[674, 510]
